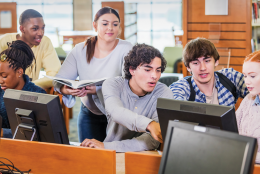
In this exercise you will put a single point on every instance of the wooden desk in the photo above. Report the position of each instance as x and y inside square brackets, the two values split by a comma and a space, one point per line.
[149, 163]
[120, 161]
[76, 36]
[56, 158]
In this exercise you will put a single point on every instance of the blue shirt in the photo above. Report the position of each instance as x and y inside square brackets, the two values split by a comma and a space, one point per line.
[181, 88]
[257, 101]
[28, 86]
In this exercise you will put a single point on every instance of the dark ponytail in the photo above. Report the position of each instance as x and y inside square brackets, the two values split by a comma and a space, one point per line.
[19, 55]
[91, 42]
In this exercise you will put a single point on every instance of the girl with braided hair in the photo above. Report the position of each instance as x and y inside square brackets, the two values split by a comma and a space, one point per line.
[13, 63]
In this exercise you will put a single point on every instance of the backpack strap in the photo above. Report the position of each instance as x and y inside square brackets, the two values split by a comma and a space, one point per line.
[223, 80]
[227, 84]
[192, 92]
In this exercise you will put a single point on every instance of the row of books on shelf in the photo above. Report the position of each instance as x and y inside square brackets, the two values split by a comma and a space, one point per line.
[255, 44]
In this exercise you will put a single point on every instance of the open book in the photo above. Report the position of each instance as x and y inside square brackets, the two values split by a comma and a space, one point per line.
[77, 84]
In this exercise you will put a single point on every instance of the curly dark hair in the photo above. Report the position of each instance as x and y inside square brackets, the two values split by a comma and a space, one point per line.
[19, 55]
[139, 55]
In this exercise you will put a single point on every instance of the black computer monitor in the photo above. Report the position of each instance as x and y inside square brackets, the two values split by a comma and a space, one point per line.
[203, 150]
[203, 114]
[35, 116]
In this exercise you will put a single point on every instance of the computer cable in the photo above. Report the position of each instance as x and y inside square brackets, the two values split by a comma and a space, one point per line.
[10, 168]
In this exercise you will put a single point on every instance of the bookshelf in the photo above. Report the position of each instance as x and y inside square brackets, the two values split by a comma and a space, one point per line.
[128, 18]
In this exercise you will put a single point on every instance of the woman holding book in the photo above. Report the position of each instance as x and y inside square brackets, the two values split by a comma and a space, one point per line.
[248, 113]
[99, 57]
[13, 63]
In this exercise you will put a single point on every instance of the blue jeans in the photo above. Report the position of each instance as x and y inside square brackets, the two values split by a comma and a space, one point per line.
[91, 125]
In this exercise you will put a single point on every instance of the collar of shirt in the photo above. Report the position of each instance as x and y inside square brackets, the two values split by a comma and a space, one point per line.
[133, 95]
[201, 97]
[257, 101]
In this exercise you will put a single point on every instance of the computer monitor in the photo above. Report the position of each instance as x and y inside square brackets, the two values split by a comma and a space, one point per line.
[35, 116]
[203, 150]
[203, 114]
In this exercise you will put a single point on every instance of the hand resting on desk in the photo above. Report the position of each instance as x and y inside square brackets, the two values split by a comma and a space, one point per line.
[92, 143]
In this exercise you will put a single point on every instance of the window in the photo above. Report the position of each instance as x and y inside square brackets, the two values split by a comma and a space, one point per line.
[157, 21]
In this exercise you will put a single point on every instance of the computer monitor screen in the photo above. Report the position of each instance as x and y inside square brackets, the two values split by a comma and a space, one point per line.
[35, 116]
[203, 114]
[202, 150]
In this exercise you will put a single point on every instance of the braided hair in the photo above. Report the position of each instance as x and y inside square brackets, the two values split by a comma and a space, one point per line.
[19, 55]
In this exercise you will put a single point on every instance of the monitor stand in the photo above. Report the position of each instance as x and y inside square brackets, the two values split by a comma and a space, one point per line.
[27, 124]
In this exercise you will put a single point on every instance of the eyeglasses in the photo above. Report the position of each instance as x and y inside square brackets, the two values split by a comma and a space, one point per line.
[3, 57]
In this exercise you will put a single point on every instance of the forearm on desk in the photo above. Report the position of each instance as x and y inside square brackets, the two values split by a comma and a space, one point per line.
[142, 143]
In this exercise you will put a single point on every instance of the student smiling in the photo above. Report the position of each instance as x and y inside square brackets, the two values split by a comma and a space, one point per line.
[248, 113]
[32, 32]
[206, 86]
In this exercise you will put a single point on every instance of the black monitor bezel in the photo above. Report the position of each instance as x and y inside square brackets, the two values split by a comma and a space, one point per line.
[165, 105]
[252, 144]
[50, 102]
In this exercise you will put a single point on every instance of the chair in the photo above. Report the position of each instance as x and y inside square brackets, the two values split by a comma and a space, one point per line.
[168, 80]
[171, 54]
[61, 53]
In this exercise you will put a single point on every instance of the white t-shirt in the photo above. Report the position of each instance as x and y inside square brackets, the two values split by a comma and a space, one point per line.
[76, 65]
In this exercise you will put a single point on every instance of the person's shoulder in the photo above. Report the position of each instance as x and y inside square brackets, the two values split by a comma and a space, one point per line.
[232, 74]
[4, 39]
[162, 90]
[228, 71]
[45, 44]
[181, 83]
[35, 88]
[30, 86]
[246, 102]
[114, 80]
[80, 45]
[125, 44]
[46, 40]
[8, 36]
